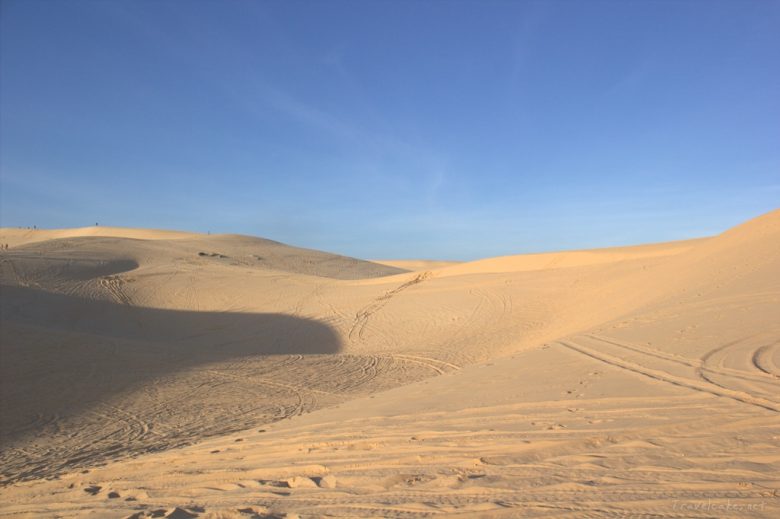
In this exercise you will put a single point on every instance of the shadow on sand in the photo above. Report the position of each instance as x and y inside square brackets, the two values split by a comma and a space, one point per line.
[63, 355]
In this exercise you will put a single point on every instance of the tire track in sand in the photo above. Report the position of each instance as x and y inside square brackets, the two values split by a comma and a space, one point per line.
[113, 285]
[668, 378]
[361, 317]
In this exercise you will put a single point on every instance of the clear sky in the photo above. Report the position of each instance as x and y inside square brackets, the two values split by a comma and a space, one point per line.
[429, 129]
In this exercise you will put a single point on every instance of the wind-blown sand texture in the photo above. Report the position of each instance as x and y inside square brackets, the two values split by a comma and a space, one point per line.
[155, 373]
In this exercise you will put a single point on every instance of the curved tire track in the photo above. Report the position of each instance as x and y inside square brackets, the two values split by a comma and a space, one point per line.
[668, 378]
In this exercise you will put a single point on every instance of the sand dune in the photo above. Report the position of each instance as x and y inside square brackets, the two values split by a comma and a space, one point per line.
[20, 236]
[417, 265]
[555, 260]
[633, 381]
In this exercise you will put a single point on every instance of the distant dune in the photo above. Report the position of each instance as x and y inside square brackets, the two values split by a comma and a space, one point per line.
[157, 372]
[577, 258]
[417, 265]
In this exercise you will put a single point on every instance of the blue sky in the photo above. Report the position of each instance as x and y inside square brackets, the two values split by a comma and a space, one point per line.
[432, 129]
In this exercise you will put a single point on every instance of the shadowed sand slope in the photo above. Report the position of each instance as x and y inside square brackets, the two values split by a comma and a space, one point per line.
[640, 381]
[72, 362]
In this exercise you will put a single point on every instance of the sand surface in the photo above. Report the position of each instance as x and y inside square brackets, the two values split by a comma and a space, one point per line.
[417, 265]
[166, 374]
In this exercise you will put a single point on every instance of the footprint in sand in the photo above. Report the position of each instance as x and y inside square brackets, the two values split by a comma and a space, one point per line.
[93, 489]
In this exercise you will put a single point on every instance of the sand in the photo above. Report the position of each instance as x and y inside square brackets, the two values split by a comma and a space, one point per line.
[417, 265]
[156, 373]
